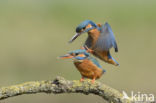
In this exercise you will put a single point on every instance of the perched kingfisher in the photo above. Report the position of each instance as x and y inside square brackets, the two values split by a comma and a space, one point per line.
[100, 40]
[87, 65]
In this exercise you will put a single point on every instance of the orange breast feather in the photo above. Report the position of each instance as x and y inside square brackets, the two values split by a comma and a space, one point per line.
[94, 33]
[88, 69]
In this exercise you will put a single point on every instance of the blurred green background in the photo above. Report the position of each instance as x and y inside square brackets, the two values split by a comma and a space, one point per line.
[33, 33]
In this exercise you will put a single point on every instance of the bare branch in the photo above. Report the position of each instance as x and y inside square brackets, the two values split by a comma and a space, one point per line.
[60, 85]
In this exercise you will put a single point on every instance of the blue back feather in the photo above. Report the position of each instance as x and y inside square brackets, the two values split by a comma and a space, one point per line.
[96, 63]
[80, 51]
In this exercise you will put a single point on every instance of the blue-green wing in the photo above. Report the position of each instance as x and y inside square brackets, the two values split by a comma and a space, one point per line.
[96, 63]
[106, 39]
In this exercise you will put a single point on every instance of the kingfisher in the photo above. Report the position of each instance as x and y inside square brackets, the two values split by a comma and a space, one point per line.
[100, 40]
[88, 66]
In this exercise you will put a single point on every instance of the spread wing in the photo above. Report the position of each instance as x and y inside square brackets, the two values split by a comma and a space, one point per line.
[106, 39]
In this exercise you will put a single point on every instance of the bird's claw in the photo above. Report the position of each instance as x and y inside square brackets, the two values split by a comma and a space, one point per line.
[88, 49]
[82, 79]
[93, 81]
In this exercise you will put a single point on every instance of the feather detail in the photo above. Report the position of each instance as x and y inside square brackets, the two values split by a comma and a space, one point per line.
[106, 39]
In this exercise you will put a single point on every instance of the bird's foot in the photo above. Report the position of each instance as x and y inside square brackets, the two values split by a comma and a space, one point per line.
[93, 81]
[88, 49]
[82, 79]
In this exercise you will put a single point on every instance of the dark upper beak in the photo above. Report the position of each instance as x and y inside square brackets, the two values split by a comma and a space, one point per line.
[74, 37]
[67, 56]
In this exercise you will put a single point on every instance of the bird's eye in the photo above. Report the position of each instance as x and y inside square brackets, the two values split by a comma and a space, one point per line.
[84, 28]
[76, 54]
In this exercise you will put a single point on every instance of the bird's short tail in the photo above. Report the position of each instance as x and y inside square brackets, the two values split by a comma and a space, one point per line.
[111, 60]
[103, 71]
[115, 62]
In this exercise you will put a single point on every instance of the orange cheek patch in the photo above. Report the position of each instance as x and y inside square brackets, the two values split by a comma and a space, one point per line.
[88, 26]
[81, 55]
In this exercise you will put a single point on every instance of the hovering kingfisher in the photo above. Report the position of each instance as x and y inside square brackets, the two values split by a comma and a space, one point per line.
[100, 40]
[87, 65]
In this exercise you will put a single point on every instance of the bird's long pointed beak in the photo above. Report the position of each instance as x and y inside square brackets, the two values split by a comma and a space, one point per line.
[67, 56]
[74, 37]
